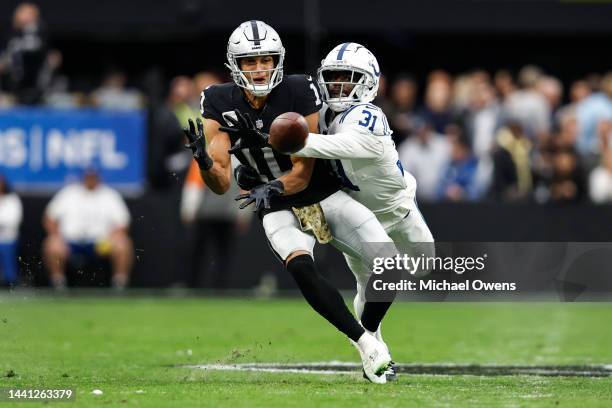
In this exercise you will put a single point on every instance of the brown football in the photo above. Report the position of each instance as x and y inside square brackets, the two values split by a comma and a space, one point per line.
[288, 132]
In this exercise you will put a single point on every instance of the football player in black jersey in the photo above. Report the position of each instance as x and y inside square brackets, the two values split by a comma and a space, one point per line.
[236, 117]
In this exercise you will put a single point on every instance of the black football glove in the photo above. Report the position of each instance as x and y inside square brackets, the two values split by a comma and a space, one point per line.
[261, 195]
[244, 128]
[247, 177]
[197, 144]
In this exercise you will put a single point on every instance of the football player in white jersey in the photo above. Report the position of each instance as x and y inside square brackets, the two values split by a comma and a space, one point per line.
[357, 136]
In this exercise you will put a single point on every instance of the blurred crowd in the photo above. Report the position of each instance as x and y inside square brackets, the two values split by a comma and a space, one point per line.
[31, 71]
[478, 136]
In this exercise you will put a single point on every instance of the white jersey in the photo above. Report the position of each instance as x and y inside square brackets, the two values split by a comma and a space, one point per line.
[359, 141]
[11, 213]
[88, 215]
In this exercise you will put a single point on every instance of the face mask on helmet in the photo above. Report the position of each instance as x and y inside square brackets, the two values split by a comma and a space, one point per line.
[348, 75]
[342, 87]
[255, 56]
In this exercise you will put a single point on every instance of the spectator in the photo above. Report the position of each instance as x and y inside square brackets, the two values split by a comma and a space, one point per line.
[381, 100]
[552, 90]
[528, 106]
[568, 130]
[437, 109]
[591, 111]
[579, 90]
[184, 102]
[460, 179]
[461, 92]
[483, 118]
[114, 93]
[594, 81]
[504, 84]
[58, 94]
[600, 179]
[182, 89]
[23, 63]
[425, 156]
[401, 110]
[168, 158]
[202, 80]
[206, 212]
[567, 183]
[10, 218]
[91, 220]
[512, 175]
[545, 160]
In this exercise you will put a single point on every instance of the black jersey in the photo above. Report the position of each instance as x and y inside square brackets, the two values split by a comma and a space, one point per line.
[296, 93]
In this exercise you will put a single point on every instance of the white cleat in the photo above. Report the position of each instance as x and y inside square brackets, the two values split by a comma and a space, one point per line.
[375, 358]
[391, 372]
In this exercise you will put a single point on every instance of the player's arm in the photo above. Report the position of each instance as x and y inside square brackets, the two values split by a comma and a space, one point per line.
[299, 176]
[210, 146]
[344, 145]
[219, 177]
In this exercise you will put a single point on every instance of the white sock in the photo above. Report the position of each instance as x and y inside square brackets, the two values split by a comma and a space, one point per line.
[365, 340]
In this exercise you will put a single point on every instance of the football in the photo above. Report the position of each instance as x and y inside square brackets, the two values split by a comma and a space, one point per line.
[288, 132]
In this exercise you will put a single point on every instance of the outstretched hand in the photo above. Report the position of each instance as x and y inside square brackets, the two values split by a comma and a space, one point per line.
[197, 144]
[247, 132]
[261, 195]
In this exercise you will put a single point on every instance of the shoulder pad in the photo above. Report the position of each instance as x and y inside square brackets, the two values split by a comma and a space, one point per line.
[366, 118]
[299, 82]
[305, 92]
[217, 90]
[216, 98]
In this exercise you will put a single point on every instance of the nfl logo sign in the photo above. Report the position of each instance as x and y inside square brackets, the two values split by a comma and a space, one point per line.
[259, 123]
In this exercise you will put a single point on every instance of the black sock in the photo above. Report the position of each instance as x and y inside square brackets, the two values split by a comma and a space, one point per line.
[373, 313]
[323, 297]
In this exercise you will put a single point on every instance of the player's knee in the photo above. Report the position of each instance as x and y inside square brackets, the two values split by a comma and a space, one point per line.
[302, 268]
[295, 254]
[372, 229]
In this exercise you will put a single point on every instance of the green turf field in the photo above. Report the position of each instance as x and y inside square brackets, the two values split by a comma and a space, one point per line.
[130, 349]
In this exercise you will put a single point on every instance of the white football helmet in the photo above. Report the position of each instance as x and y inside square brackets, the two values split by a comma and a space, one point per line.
[358, 62]
[250, 39]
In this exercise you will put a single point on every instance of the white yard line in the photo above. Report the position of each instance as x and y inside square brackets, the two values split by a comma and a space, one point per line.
[340, 367]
